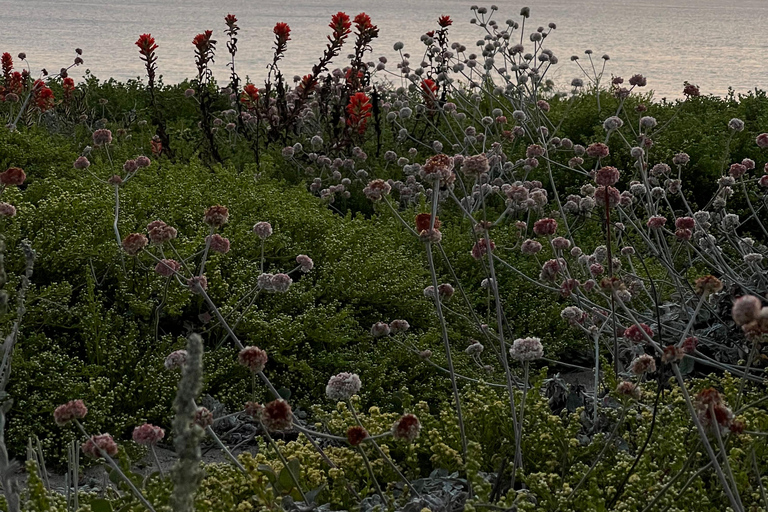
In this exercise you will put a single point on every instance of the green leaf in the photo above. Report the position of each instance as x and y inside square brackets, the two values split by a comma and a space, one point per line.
[101, 505]
[285, 481]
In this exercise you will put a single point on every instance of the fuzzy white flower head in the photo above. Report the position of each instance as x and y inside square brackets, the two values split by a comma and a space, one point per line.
[343, 386]
[526, 349]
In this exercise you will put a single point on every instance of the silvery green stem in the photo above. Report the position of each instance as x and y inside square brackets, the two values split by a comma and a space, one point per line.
[294, 477]
[597, 372]
[672, 480]
[449, 358]
[205, 251]
[115, 227]
[704, 440]
[759, 478]
[602, 452]
[381, 452]
[186, 473]
[373, 476]
[726, 464]
[157, 461]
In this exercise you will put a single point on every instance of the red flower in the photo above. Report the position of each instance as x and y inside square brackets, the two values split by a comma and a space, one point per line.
[356, 435]
[250, 96]
[429, 87]
[341, 26]
[283, 33]
[203, 41]
[231, 21]
[42, 95]
[358, 111]
[15, 83]
[146, 44]
[7, 62]
[423, 221]
[69, 87]
[363, 22]
[445, 21]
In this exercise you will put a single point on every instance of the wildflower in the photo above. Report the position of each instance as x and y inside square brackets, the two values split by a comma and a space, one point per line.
[606, 194]
[438, 167]
[255, 410]
[282, 35]
[530, 247]
[708, 285]
[253, 358]
[203, 418]
[607, 176]
[551, 268]
[343, 386]
[341, 26]
[356, 435]
[148, 435]
[543, 105]
[685, 223]
[475, 349]
[102, 137]
[480, 248]
[358, 111]
[736, 125]
[134, 243]
[146, 44]
[204, 44]
[7, 210]
[445, 21]
[613, 123]
[42, 95]
[263, 229]
[642, 364]
[160, 232]
[711, 409]
[98, 445]
[74, 409]
[175, 360]
[526, 349]
[561, 244]
[423, 222]
[12, 176]
[377, 189]
[189, 93]
[690, 344]
[281, 282]
[218, 243]
[216, 216]
[672, 353]
[656, 222]
[597, 150]
[396, 326]
[629, 389]
[681, 159]
[545, 227]
[406, 428]
[143, 162]
[638, 80]
[573, 315]
[249, 98]
[445, 291]
[475, 166]
[305, 262]
[691, 90]
[638, 333]
[534, 150]
[379, 329]
[197, 284]
[762, 140]
[167, 268]
[746, 309]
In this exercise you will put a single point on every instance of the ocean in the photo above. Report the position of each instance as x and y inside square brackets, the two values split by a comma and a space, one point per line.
[711, 43]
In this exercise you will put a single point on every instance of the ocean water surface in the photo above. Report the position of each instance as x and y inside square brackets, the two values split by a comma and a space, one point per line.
[712, 43]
